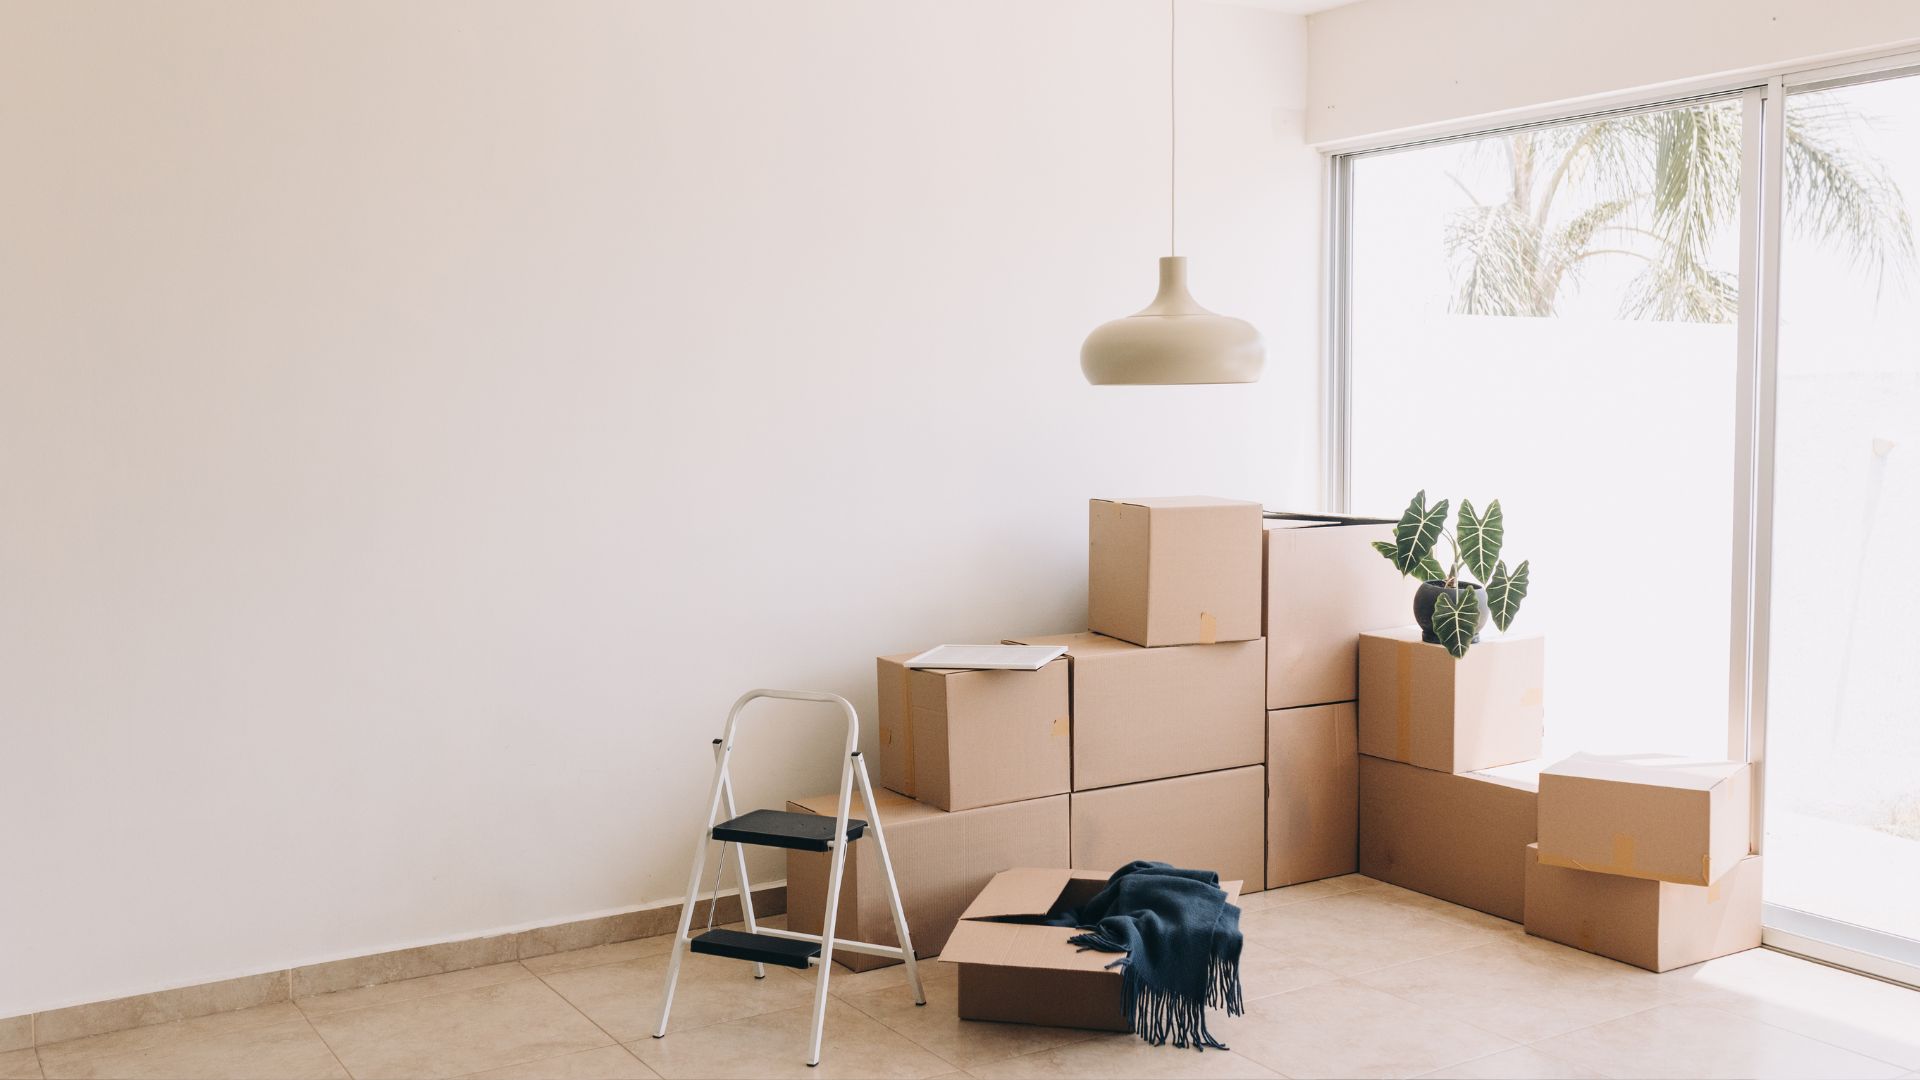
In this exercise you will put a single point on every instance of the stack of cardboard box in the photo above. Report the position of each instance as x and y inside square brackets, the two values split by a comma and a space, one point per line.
[1323, 585]
[1235, 705]
[1205, 718]
[1169, 747]
[1438, 813]
[1645, 859]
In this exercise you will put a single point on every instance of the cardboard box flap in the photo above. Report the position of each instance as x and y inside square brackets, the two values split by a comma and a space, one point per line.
[1023, 891]
[1021, 945]
[1287, 519]
[1651, 770]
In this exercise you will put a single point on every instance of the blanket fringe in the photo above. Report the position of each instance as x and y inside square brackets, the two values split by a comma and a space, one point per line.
[1159, 1016]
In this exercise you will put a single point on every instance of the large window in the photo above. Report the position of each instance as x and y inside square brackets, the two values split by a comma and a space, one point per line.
[1678, 344]
[1546, 318]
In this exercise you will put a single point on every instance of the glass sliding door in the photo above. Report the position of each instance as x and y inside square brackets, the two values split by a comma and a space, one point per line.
[1716, 480]
[1842, 815]
[1547, 317]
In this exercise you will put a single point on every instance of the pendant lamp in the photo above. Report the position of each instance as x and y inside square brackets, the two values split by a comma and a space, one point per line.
[1173, 340]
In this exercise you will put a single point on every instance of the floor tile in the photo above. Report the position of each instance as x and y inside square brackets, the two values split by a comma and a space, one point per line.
[1699, 1041]
[1359, 931]
[1264, 972]
[848, 984]
[1344, 1029]
[1123, 1056]
[68, 1057]
[624, 998]
[606, 1063]
[408, 989]
[20, 1065]
[615, 953]
[937, 1026]
[775, 1045]
[458, 1033]
[1306, 890]
[288, 1050]
[1519, 1063]
[1525, 990]
[1441, 909]
[1867, 1016]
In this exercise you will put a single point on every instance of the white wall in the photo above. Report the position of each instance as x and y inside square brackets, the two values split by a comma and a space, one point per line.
[419, 421]
[1393, 66]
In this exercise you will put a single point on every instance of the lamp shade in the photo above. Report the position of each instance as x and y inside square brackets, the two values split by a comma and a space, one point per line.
[1172, 341]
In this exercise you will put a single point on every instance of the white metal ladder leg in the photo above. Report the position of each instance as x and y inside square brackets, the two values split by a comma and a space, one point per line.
[809, 832]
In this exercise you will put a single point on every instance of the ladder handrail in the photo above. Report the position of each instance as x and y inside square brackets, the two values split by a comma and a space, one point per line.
[819, 696]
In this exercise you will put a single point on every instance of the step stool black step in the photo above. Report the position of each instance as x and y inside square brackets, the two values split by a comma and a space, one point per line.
[784, 829]
[759, 948]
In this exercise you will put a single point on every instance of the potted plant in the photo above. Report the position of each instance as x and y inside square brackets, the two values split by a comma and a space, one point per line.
[1449, 607]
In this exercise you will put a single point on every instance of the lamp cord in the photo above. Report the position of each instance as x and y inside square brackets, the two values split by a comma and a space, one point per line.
[1173, 129]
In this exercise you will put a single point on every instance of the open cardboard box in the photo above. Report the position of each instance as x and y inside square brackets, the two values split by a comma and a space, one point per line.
[1024, 974]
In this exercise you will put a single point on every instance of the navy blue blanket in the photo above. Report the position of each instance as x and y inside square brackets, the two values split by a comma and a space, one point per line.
[1182, 944]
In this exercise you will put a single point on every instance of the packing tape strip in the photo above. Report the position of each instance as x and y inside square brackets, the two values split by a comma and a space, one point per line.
[1209, 628]
[1060, 728]
[1403, 704]
[1622, 865]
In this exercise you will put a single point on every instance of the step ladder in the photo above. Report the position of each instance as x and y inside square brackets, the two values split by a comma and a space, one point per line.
[796, 832]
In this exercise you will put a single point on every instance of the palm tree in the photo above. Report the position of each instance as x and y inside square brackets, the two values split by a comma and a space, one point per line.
[1657, 187]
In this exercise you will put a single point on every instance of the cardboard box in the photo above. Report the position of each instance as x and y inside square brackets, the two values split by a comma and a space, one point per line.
[1656, 925]
[1313, 794]
[961, 739]
[1646, 816]
[1213, 821]
[1461, 837]
[1143, 714]
[1025, 974]
[1324, 585]
[940, 860]
[1421, 706]
[1174, 571]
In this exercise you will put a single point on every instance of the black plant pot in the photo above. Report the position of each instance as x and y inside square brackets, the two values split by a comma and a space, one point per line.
[1423, 607]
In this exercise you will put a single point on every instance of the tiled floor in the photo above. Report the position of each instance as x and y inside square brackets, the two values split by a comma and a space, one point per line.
[1343, 978]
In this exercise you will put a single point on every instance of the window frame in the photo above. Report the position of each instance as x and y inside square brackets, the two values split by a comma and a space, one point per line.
[1763, 96]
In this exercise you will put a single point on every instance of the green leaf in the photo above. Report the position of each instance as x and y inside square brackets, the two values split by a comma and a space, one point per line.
[1414, 536]
[1504, 593]
[1480, 538]
[1427, 570]
[1456, 618]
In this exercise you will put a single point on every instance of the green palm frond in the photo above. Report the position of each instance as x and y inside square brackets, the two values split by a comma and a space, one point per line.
[1663, 187]
[1499, 249]
[1840, 195]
